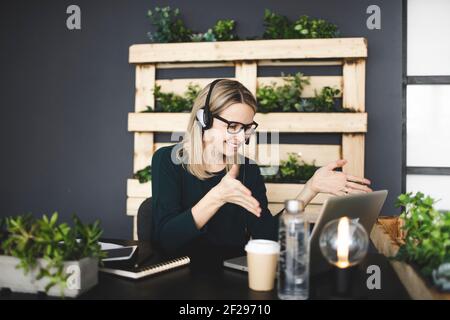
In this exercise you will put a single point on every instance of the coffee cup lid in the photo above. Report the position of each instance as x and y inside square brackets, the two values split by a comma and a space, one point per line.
[262, 246]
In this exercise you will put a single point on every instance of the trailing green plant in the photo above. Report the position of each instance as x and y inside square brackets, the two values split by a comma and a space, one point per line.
[284, 98]
[292, 170]
[279, 27]
[287, 97]
[427, 233]
[29, 239]
[223, 30]
[168, 25]
[144, 175]
[171, 102]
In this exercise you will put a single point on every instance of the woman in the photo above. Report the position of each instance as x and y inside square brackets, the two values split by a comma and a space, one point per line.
[206, 202]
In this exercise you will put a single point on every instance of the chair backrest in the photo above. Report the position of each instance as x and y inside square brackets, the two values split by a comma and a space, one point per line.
[144, 220]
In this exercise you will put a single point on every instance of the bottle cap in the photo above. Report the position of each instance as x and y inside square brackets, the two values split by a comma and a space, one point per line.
[294, 206]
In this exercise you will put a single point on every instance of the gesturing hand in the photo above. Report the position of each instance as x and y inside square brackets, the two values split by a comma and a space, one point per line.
[232, 190]
[338, 183]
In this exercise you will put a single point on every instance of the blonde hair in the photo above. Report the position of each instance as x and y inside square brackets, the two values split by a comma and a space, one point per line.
[225, 93]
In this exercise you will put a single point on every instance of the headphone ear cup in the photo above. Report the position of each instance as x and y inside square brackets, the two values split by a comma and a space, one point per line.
[200, 117]
[207, 118]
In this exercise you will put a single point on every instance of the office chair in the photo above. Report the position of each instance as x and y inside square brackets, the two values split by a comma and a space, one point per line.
[144, 220]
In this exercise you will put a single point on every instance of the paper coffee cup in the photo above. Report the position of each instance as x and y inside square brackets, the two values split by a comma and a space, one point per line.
[262, 261]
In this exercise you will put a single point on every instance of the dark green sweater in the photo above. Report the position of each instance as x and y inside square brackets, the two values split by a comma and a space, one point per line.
[175, 191]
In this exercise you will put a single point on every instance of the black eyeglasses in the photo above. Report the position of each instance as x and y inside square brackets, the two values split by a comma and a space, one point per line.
[235, 127]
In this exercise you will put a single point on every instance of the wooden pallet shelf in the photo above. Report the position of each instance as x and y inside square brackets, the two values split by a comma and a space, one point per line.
[246, 57]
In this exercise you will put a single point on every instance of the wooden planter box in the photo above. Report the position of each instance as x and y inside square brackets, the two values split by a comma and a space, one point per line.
[386, 236]
[84, 276]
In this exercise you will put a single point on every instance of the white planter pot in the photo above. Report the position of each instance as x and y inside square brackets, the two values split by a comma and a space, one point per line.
[83, 276]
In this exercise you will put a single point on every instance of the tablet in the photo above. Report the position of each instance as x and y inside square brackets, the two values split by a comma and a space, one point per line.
[239, 263]
[120, 253]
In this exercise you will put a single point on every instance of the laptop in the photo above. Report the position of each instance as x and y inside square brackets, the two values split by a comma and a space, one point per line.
[364, 208]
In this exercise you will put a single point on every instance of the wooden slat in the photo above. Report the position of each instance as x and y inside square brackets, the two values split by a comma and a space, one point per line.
[312, 211]
[276, 122]
[312, 122]
[145, 82]
[135, 228]
[143, 150]
[316, 84]
[246, 73]
[249, 50]
[133, 205]
[354, 75]
[135, 189]
[179, 86]
[276, 192]
[353, 151]
[279, 192]
[298, 63]
[319, 154]
[195, 65]
[158, 122]
[143, 142]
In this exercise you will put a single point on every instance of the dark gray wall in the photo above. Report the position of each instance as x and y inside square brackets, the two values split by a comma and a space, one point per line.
[65, 96]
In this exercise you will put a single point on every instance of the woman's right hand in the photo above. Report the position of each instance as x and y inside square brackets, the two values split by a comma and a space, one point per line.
[232, 190]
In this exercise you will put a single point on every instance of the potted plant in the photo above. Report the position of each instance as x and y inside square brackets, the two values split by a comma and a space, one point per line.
[42, 255]
[425, 233]
[418, 243]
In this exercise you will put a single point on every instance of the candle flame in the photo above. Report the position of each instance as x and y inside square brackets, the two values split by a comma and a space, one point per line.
[343, 243]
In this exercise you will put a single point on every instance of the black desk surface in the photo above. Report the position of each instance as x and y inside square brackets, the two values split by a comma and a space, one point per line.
[227, 284]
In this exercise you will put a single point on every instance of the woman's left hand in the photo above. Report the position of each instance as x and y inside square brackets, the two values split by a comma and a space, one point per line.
[327, 180]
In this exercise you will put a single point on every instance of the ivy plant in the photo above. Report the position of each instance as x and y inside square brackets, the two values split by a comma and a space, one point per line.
[279, 27]
[292, 170]
[276, 26]
[427, 233]
[29, 239]
[171, 102]
[223, 30]
[310, 28]
[168, 26]
[144, 175]
[287, 97]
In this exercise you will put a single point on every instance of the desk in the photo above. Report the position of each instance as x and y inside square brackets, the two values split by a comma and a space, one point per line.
[222, 284]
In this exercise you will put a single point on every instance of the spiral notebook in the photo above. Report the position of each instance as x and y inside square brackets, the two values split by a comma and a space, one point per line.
[148, 269]
[145, 262]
